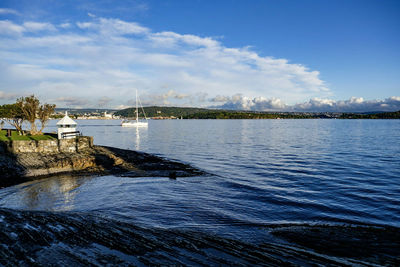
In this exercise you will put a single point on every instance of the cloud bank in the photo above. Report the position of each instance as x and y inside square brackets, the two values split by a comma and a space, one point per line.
[8, 96]
[354, 104]
[99, 62]
[235, 102]
[102, 60]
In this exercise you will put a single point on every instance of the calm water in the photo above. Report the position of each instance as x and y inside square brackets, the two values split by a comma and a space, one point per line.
[264, 172]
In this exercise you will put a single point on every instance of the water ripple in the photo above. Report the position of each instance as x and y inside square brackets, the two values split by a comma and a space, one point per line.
[266, 171]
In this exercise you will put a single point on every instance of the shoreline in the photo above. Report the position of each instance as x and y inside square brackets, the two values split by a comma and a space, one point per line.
[81, 239]
[96, 160]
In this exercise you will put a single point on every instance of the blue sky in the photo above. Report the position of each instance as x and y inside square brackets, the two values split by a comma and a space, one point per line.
[258, 55]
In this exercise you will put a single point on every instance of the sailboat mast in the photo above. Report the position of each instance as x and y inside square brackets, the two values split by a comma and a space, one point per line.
[137, 113]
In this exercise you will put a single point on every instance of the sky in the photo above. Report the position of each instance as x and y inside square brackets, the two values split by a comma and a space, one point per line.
[265, 55]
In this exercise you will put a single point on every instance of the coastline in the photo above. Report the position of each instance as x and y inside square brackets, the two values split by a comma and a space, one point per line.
[82, 239]
[96, 160]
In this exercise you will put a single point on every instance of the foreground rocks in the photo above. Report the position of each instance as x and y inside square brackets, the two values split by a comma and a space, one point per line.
[362, 243]
[38, 238]
[21, 167]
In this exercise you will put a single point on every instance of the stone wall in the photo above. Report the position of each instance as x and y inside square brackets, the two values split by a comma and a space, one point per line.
[84, 142]
[67, 145]
[50, 146]
[47, 146]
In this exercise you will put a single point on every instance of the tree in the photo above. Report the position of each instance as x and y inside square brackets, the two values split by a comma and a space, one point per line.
[30, 109]
[44, 113]
[12, 113]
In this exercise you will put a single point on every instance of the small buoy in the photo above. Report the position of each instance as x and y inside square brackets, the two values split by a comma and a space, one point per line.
[172, 175]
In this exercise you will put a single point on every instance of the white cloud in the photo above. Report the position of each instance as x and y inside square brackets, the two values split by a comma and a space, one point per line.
[65, 25]
[220, 98]
[113, 27]
[71, 101]
[8, 11]
[240, 102]
[122, 106]
[167, 98]
[262, 103]
[172, 38]
[84, 25]
[393, 99]
[8, 27]
[354, 104]
[32, 26]
[67, 41]
[104, 101]
[8, 96]
[110, 57]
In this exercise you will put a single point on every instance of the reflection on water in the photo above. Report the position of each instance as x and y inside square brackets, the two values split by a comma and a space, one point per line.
[57, 193]
[137, 144]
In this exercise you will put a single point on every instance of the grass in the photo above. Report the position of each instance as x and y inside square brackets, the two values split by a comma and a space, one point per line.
[15, 136]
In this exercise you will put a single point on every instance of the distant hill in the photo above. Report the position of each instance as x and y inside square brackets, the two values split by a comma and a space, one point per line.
[380, 115]
[203, 113]
[231, 114]
[161, 112]
[85, 110]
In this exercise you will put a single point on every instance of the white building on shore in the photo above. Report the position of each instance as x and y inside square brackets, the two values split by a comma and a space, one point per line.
[107, 116]
[67, 128]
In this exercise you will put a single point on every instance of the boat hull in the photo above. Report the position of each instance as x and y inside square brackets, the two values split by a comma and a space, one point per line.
[134, 124]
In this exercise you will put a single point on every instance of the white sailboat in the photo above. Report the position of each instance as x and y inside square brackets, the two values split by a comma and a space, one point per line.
[136, 123]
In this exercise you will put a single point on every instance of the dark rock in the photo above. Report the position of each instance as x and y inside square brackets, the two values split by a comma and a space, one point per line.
[20, 167]
[172, 175]
[38, 238]
[370, 243]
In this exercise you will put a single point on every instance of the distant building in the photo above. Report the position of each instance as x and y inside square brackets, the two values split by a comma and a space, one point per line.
[107, 116]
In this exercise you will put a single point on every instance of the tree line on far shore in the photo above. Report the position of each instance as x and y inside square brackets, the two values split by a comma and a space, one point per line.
[202, 113]
[26, 109]
[224, 114]
[382, 115]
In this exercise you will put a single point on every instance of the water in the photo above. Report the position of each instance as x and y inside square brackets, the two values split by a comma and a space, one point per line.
[262, 172]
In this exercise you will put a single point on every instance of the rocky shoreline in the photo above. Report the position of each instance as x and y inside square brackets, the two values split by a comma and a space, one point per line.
[85, 239]
[96, 160]
[41, 238]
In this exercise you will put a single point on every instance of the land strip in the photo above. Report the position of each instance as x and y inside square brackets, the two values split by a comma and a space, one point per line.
[96, 160]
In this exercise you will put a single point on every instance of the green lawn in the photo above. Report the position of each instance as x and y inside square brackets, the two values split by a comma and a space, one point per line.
[15, 136]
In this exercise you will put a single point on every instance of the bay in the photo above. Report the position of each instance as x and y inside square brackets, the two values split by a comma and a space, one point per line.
[262, 172]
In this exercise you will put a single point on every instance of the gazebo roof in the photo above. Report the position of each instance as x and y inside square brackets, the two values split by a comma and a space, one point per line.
[66, 121]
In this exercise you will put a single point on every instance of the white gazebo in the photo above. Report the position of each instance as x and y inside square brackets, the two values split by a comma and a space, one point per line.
[67, 127]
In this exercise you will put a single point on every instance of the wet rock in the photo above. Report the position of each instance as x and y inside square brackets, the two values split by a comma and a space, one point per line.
[375, 244]
[81, 239]
[21, 167]
[172, 175]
